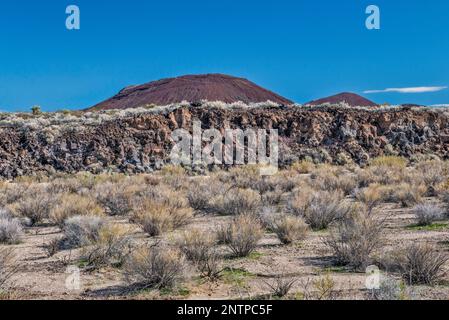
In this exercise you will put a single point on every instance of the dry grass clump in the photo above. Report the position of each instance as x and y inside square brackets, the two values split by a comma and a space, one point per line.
[388, 170]
[80, 231]
[156, 218]
[422, 264]
[241, 201]
[318, 208]
[428, 213]
[408, 195]
[10, 228]
[288, 228]
[35, 206]
[303, 167]
[174, 176]
[245, 177]
[154, 268]
[65, 185]
[272, 198]
[13, 192]
[241, 235]
[432, 173]
[117, 198]
[354, 238]
[372, 196]
[111, 248]
[330, 178]
[201, 192]
[70, 205]
[199, 248]
[389, 162]
[8, 268]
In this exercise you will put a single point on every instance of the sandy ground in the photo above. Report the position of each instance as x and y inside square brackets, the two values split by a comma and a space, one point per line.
[43, 277]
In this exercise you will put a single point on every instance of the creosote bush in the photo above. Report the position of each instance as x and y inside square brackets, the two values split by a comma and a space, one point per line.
[354, 238]
[154, 268]
[10, 228]
[241, 235]
[428, 213]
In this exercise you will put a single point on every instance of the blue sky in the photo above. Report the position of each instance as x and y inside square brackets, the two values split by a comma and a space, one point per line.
[301, 49]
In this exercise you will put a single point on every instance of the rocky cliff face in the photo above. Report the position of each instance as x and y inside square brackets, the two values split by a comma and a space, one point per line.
[142, 142]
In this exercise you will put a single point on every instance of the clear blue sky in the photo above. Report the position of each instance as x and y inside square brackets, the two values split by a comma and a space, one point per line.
[300, 49]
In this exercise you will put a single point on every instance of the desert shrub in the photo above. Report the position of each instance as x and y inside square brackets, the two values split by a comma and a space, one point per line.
[199, 196]
[444, 197]
[390, 289]
[319, 209]
[303, 167]
[13, 192]
[198, 247]
[34, 207]
[387, 175]
[10, 228]
[364, 177]
[333, 180]
[8, 268]
[242, 235]
[65, 185]
[428, 213]
[201, 192]
[389, 161]
[243, 177]
[174, 176]
[288, 228]
[156, 218]
[111, 248]
[195, 244]
[372, 196]
[354, 238]
[432, 173]
[241, 201]
[70, 205]
[280, 286]
[422, 264]
[285, 182]
[272, 198]
[408, 195]
[155, 268]
[80, 231]
[118, 199]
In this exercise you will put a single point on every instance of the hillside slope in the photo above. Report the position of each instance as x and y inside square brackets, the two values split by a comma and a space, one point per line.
[191, 88]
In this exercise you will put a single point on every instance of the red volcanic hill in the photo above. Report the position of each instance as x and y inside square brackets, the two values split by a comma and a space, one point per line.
[351, 99]
[191, 88]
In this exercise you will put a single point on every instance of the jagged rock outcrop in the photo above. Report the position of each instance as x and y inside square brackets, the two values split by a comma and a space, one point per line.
[141, 143]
